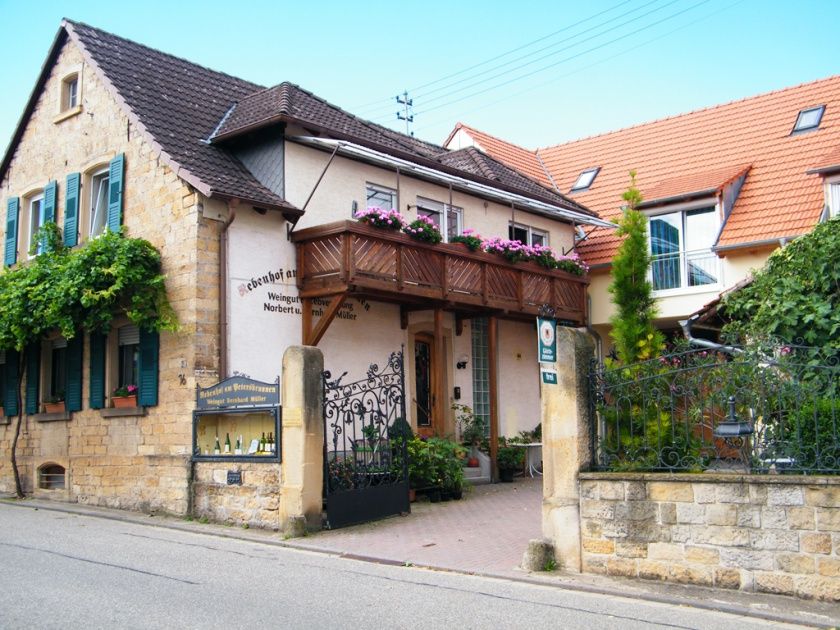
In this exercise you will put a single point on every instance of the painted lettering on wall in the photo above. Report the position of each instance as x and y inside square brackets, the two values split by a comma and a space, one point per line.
[291, 305]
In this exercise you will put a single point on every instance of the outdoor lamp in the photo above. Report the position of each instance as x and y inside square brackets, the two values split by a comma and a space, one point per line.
[732, 427]
[461, 364]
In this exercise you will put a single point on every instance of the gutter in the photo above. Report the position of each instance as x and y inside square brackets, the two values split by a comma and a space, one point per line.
[223, 283]
[459, 183]
[686, 325]
[781, 242]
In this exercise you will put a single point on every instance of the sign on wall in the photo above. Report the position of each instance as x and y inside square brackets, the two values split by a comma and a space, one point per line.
[547, 340]
[236, 392]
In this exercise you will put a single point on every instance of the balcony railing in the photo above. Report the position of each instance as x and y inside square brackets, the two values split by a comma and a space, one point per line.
[685, 269]
[349, 257]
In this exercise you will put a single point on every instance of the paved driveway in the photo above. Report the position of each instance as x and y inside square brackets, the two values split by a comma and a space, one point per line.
[487, 531]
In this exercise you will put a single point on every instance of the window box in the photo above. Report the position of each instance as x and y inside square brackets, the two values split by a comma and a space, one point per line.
[122, 402]
[54, 407]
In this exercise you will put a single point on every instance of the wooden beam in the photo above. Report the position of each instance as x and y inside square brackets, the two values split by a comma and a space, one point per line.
[403, 317]
[459, 324]
[314, 335]
[306, 319]
[493, 374]
[439, 380]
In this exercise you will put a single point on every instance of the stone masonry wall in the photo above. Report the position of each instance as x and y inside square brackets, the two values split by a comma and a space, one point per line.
[139, 462]
[774, 534]
[255, 503]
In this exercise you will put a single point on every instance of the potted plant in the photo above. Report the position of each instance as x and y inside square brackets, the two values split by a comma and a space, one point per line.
[424, 229]
[383, 219]
[510, 459]
[124, 396]
[55, 403]
[470, 238]
[472, 429]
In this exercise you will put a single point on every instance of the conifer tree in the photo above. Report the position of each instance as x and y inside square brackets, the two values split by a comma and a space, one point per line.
[633, 332]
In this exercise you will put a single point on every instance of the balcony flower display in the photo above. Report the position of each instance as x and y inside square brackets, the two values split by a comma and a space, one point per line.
[423, 229]
[513, 251]
[384, 219]
[548, 258]
[470, 238]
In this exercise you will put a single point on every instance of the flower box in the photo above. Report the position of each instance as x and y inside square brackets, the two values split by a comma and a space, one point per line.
[54, 407]
[123, 402]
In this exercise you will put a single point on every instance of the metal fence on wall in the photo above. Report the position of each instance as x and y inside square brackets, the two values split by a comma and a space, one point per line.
[762, 409]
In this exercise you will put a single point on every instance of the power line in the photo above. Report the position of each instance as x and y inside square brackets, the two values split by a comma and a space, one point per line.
[592, 65]
[562, 61]
[379, 101]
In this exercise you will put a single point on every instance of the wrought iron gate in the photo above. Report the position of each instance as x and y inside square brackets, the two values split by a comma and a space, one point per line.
[365, 455]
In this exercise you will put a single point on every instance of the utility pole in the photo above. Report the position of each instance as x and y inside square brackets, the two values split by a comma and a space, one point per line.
[408, 112]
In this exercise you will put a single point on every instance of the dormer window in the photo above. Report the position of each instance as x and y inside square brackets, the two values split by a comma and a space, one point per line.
[808, 119]
[585, 179]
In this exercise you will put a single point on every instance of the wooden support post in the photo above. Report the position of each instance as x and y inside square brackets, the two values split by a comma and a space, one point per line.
[493, 374]
[306, 317]
[459, 325]
[311, 336]
[403, 317]
[440, 372]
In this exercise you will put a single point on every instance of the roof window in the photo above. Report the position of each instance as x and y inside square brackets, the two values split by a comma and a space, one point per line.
[585, 179]
[808, 119]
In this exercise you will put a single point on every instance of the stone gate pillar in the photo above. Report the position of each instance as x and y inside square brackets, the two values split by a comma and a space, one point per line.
[566, 444]
[303, 440]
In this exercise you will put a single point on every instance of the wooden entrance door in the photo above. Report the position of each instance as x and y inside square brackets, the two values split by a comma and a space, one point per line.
[425, 364]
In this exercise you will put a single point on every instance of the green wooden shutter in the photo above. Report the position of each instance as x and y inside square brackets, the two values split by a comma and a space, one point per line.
[71, 210]
[98, 343]
[148, 368]
[10, 396]
[12, 208]
[33, 377]
[115, 193]
[50, 194]
[73, 397]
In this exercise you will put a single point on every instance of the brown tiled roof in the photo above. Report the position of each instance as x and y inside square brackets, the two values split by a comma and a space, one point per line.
[178, 104]
[779, 198]
[523, 160]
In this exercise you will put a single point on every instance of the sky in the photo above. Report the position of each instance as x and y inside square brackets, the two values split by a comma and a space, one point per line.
[533, 73]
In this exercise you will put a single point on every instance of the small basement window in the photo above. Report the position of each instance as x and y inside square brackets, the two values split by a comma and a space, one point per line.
[585, 179]
[808, 119]
[51, 477]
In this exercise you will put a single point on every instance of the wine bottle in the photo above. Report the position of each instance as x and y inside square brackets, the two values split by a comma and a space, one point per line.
[238, 449]
[217, 449]
[227, 443]
[262, 443]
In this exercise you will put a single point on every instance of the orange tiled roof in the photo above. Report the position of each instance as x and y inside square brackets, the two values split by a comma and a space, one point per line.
[523, 160]
[697, 184]
[830, 162]
[779, 198]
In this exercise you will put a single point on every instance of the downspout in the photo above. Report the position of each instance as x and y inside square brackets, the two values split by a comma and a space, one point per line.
[705, 343]
[223, 284]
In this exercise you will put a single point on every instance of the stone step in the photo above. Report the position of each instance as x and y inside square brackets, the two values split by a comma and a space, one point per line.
[471, 473]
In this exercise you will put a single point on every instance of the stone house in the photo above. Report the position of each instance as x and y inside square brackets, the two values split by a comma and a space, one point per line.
[723, 187]
[249, 193]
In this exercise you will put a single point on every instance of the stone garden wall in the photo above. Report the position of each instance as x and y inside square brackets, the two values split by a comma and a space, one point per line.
[255, 502]
[774, 534]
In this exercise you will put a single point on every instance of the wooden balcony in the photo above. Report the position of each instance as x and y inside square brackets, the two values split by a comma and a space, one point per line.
[352, 259]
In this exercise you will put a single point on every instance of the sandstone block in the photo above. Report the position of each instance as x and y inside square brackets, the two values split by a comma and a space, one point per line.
[801, 518]
[814, 587]
[781, 540]
[667, 513]
[773, 518]
[589, 490]
[727, 578]
[611, 490]
[702, 555]
[829, 567]
[666, 551]
[704, 493]
[748, 516]
[670, 491]
[593, 508]
[636, 510]
[635, 491]
[691, 575]
[594, 564]
[630, 550]
[823, 496]
[785, 495]
[690, 513]
[732, 493]
[721, 514]
[720, 535]
[758, 494]
[794, 563]
[537, 556]
[746, 559]
[774, 583]
[650, 570]
[623, 567]
[828, 519]
[598, 545]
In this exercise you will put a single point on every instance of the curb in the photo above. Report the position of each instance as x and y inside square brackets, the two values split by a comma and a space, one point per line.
[627, 591]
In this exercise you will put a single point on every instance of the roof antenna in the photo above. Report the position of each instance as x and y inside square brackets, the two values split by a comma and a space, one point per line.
[408, 109]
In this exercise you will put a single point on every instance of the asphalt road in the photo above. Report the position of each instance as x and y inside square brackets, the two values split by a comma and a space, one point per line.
[60, 570]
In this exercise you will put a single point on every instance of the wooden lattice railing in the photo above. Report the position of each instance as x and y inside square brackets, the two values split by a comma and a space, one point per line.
[349, 257]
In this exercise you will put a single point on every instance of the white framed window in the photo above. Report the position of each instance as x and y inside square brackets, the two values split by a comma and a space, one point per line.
[527, 234]
[681, 249]
[70, 92]
[98, 202]
[834, 199]
[380, 197]
[37, 216]
[449, 219]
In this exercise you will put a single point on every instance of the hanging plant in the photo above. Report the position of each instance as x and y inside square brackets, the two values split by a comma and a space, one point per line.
[79, 289]
[424, 229]
[383, 219]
